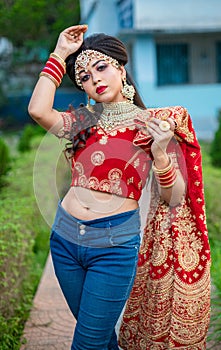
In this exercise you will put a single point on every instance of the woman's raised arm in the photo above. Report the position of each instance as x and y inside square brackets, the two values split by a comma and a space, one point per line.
[41, 104]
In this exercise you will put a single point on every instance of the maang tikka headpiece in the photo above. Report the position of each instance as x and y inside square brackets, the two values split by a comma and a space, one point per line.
[85, 57]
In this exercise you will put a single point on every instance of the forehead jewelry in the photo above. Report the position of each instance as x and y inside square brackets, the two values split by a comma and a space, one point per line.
[84, 59]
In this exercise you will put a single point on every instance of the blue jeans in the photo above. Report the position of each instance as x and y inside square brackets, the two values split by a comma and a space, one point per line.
[95, 263]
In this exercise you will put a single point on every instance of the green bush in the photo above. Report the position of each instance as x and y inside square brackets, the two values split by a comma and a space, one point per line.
[216, 145]
[29, 131]
[4, 158]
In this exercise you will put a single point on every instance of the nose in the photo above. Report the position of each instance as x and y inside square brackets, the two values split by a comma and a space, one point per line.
[95, 78]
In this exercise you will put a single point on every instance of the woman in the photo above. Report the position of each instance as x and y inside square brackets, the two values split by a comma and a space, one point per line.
[96, 233]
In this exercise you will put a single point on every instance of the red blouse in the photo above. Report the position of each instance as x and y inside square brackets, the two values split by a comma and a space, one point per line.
[112, 162]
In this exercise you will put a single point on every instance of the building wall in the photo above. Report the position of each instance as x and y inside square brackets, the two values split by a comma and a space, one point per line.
[190, 21]
[203, 101]
[173, 14]
[101, 16]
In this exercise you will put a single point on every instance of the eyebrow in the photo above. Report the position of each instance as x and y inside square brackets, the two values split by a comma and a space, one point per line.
[93, 65]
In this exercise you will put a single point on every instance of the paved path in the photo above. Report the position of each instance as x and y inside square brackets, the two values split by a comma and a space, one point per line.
[50, 324]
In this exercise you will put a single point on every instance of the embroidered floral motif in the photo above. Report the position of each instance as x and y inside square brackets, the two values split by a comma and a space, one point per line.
[114, 174]
[103, 140]
[105, 186]
[82, 181]
[79, 168]
[130, 180]
[97, 158]
[93, 183]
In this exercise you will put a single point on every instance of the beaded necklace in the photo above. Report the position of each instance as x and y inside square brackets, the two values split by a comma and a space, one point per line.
[117, 114]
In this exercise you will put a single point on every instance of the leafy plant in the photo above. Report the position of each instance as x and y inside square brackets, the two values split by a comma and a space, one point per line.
[48, 16]
[4, 158]
[28, 133]
[215, 152]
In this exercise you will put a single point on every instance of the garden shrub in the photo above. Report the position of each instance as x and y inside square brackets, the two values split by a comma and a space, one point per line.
[4, 160]
[29, 131]
[216, 145]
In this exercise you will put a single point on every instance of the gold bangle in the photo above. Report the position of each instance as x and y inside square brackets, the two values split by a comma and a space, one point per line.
[43, 74]
[162, 171]
[61, 60]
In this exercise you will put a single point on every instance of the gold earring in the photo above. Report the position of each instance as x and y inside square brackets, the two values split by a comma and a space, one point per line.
[128, 91]
[89, 106]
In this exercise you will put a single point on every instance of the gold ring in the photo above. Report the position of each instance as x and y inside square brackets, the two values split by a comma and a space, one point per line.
[164, 126]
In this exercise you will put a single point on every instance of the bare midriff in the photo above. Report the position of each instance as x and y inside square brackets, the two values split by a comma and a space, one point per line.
[86, 204]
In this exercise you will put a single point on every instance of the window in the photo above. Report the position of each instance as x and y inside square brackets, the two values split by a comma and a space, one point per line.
[172, 64]
[125, 9]
[218, 60]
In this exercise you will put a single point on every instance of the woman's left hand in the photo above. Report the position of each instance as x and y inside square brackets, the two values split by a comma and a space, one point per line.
[161, 132]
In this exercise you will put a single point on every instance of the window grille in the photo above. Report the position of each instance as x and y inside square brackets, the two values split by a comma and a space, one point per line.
[172, 64]
[218, 61]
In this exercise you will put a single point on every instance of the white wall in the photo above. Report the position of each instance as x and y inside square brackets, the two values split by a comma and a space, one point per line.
[103, 18]
[177, 14]
[202, 101]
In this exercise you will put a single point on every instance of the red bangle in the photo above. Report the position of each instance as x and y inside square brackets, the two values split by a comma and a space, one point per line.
[54, 70]
[166, 177]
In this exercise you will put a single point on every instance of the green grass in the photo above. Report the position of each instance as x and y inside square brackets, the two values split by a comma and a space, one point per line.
[212, 186]
[27, 207]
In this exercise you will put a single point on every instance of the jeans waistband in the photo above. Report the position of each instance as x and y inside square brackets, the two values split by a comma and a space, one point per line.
[102, 232]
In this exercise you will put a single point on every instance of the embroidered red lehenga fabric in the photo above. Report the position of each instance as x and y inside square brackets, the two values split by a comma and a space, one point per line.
[169, 306]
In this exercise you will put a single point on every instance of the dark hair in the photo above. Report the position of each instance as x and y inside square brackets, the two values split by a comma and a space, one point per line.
[108, 45]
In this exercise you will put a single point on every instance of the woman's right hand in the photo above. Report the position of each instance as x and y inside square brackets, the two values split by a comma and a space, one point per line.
[70, 40]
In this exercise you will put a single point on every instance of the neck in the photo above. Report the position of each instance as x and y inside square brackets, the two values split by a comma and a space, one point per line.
[118, 114]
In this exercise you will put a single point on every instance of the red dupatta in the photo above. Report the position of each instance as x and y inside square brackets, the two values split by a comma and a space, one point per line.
[169, 306]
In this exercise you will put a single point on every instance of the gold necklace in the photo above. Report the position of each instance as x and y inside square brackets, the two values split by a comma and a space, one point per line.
[117, 114]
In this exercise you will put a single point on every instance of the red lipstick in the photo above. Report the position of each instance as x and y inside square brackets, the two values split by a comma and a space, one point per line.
[100, 89]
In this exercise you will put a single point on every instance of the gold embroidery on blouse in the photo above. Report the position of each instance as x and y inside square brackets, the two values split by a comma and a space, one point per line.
[103, 140]
[115, 174]
[182, 125]
[130, 180]
[133, 158]
[93, 183]
[82, 181]
[136, 163]
[97, 158]
[79, 168]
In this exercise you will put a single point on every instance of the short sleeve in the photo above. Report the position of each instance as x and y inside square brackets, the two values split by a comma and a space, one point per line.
[68, 121]
[76, 120]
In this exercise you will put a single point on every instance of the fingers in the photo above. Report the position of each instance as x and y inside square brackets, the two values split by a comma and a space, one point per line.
[161, 126]
[76, 30]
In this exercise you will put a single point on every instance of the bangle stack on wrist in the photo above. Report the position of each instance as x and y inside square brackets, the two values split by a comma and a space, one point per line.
[166, 177]
[54, 69]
